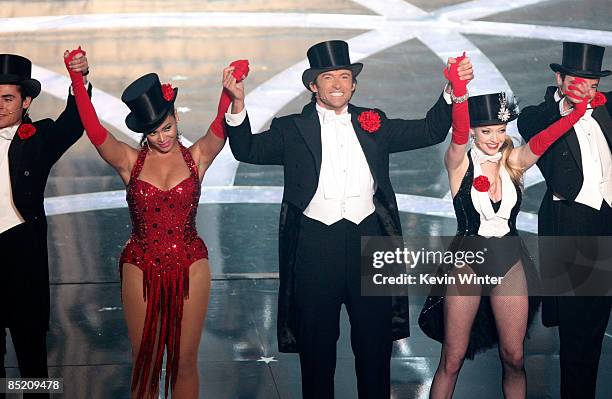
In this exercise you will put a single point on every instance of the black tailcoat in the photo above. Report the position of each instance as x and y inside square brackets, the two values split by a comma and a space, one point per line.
[561, 166]
[24, 278]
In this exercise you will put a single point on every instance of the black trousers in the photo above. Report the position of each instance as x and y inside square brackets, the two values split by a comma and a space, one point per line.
[582, 320]
[327, 275]
[29, 339]
[31, 349]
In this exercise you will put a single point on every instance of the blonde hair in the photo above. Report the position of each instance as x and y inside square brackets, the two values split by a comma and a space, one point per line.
[516, 174]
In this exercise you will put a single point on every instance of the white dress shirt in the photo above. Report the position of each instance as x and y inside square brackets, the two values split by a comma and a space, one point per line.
[346, 187]
[9, 215]
[596, 160]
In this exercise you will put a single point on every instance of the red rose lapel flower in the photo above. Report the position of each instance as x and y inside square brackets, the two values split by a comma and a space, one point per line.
[599, 100]
[481, 183]
[26, 130]
[167, 92]
[369, 121]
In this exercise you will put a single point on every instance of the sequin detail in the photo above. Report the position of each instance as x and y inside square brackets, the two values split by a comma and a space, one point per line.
[163, 244]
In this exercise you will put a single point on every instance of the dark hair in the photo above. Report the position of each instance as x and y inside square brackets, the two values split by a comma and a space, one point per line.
[143, 139]
[25, 118]
[313, 95]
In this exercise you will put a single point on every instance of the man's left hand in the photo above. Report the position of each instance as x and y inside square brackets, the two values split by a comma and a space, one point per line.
[465, 68]
[79, 64]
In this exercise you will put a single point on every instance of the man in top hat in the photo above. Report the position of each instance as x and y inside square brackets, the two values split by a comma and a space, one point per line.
[578, 173]
[28, 150]
[337, 189]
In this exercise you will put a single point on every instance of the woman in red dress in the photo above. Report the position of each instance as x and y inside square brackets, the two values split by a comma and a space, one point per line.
[165, 275]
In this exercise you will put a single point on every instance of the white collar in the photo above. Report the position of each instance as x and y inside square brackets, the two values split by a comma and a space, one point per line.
[480, 157]
[330, 114]
[8, 133]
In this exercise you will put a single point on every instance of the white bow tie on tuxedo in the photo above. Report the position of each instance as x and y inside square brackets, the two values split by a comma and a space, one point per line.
[8, 133]
[332, 117]
[481, 157]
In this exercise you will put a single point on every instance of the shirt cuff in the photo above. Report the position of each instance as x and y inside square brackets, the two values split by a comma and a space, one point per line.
[87, 88]
[561, 110]
[235, 119]
[446, 96]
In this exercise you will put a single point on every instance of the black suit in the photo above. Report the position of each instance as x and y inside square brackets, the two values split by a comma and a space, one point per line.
[294, 141]
[582, 320]
[24, 275]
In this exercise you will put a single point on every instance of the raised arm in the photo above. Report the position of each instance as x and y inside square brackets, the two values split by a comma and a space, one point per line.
[116, 153]
[67, 128]
[264, 148]
[455, 155]
[419, 133]
[528, 154]
[210, 145]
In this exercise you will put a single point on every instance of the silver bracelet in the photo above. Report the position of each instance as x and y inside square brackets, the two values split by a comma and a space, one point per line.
[458, 100]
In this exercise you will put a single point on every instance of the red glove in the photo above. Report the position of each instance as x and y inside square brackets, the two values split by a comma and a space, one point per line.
[541, 141]
[459, 86]
[572, 86]
[461, 123]
[460, 116]
[95, 131]
[240, 72]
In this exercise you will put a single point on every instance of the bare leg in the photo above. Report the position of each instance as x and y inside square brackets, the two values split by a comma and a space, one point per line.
[510, 306]
[194, 312]
[459, 313]
[134, 308]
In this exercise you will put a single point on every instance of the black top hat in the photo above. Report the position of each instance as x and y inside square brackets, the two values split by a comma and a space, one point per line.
[492, 109]
[583, 60]
[328, 56]
[145, 99]
[17, 70]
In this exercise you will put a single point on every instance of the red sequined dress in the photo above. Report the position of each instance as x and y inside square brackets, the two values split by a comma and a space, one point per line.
[163, 244]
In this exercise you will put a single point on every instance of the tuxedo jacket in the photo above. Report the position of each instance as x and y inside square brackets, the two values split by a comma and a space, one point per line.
[30, 161]
[294, 141]
[561, 166]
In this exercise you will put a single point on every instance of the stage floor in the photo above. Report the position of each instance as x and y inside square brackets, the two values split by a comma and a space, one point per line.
[402, 44]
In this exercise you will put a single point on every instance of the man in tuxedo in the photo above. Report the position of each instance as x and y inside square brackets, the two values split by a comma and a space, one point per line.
[337, 189]
[28, 150]
[578, 173]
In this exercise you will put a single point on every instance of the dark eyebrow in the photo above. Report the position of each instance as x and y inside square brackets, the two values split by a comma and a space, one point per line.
[160, 128]
[8, 96]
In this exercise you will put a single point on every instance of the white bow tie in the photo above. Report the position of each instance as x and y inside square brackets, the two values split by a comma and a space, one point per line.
[481, 157]
[332, 117]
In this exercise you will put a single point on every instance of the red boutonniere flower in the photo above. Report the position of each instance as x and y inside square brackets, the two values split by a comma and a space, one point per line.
[167, 91]
[369, 121]
[599, 100]
[481, 183]
[26, 130]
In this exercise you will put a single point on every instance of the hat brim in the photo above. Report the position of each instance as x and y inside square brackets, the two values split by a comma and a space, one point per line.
[582, 74]
[134, 124]
[491, 122]
[31, 87]
[310, 75]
